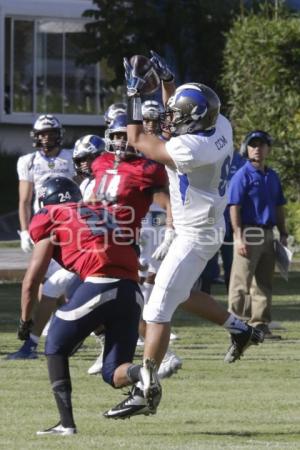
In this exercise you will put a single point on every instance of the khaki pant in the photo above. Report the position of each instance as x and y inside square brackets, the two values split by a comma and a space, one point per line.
[251, 279]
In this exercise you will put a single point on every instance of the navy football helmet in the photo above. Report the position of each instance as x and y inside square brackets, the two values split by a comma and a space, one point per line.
[58, 190]
[44, 123]
[255, 134]
[116, 138]
[193, 107]
[86, 149]
[113, 111]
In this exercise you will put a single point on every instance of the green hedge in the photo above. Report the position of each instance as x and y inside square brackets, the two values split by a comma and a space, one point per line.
[261, 77]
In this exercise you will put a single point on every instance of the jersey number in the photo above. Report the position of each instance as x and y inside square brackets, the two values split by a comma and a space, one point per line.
[97, 221]
[224, 176]
[108, 189]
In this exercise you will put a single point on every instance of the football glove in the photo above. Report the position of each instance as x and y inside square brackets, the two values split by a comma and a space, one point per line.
[163, 248]
[24, 329]
[163, 70]
[26, 242]
[133, 81]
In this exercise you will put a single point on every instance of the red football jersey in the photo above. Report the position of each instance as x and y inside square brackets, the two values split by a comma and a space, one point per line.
[86, 240]
[128, 189]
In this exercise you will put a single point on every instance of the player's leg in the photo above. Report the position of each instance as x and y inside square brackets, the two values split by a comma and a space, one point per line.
[52, 294]
[71, 324]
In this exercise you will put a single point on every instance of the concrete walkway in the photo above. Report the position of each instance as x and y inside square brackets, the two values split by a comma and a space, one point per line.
[13, 264]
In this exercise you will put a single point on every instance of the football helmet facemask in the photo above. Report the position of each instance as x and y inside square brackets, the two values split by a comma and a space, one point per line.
[86, 149]
[113, 111]
[193, 107]
[43, 124]
[57, 190]
[116, 138]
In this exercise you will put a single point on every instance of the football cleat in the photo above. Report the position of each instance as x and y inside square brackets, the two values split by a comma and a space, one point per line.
[58, 430]
[169, 365]
[240, 342]
[151, 385]
[135, 404]
[27, 351]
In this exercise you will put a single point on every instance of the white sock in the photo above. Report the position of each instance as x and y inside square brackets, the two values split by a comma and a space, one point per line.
[34, 338]
[146, 290]
[235, 325]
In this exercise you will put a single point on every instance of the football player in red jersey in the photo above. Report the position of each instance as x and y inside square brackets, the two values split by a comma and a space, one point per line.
[127, 183]
[85, 239]
[125, 180]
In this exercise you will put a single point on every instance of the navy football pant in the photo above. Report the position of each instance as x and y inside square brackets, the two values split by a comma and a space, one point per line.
[116, 305]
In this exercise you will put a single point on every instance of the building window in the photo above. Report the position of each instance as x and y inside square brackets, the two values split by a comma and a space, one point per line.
[42, 73]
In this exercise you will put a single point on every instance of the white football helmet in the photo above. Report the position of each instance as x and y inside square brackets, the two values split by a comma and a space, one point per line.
[152, 112]
[44, 123]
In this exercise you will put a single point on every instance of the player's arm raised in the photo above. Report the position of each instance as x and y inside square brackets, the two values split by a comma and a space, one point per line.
[165, 74]
[151, 146]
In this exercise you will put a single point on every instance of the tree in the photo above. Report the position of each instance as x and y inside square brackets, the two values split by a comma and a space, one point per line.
[189, 33]
[261, 78]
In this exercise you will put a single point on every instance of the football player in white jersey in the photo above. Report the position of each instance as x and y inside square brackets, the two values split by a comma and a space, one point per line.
[197, 160]
[49, 160]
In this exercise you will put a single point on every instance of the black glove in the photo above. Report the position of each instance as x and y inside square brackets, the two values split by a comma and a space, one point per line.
[24, 329]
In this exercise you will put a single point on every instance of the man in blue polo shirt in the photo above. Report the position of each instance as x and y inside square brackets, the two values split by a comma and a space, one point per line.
[256, 205]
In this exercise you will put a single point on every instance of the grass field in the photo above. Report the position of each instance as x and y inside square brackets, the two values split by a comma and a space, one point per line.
[252, 404]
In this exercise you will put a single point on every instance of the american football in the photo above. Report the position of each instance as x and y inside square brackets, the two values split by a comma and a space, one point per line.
[144, 69]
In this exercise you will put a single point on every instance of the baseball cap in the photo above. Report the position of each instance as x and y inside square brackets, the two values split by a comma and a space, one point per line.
[259, 134]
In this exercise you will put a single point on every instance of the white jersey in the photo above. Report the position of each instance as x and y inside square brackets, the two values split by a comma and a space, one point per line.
[36, 167]
[86, 188]
[198, 184]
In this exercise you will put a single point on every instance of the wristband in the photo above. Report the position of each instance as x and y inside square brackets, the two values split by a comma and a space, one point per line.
[134, 111]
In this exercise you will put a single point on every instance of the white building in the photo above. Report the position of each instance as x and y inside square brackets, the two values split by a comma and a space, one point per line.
[39, 71]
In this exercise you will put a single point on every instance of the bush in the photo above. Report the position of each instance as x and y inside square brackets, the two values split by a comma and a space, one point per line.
[293, 220]
[261, 77]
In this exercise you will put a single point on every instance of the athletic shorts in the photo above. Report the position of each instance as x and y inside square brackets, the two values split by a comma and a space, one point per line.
[181, 267]
[116, 304]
